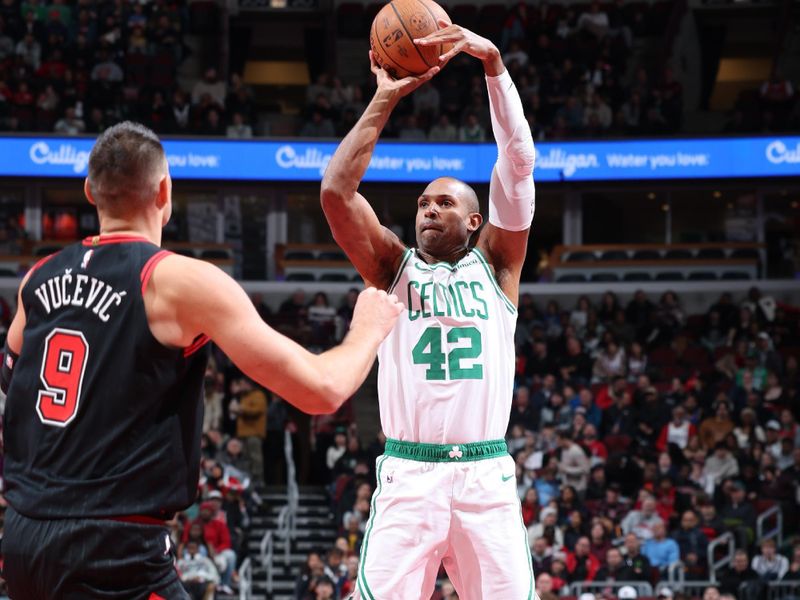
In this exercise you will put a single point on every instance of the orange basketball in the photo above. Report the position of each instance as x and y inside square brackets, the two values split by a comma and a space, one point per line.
[394, 28]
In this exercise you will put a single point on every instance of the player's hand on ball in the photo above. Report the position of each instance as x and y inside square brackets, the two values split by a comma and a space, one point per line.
[463, 40]
[403, 86]
[376, 310]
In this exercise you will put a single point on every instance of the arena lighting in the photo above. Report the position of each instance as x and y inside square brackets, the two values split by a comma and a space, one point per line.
[651, 195]
[303, 160]
[717, 194]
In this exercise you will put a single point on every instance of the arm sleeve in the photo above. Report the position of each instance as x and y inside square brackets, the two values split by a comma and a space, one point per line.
[511, 192]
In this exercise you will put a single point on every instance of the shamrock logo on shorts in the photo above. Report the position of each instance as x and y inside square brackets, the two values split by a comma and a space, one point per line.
[456, 452]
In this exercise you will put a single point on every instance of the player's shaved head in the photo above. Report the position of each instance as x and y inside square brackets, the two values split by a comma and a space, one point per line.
[126, 166]
[461, 190]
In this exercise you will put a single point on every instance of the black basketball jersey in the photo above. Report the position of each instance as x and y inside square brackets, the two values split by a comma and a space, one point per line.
[101, 419]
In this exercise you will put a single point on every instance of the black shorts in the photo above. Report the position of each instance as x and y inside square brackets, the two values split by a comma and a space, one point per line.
[79, 559]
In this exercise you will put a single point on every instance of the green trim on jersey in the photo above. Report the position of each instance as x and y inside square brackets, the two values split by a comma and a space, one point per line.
[509, 305]
[446, 452]
[406, 256]
[528, 553]
[365, 591]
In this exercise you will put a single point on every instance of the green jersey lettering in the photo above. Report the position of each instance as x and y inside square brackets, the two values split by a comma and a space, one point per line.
[475, 286]
[412, 314]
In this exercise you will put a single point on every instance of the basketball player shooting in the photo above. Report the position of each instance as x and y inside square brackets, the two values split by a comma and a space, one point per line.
[446, 489]
[104, 367]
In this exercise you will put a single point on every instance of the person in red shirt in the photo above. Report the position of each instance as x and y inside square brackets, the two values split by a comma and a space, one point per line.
[678, 431]
[581, 564]
[218, 540]
[597, 449]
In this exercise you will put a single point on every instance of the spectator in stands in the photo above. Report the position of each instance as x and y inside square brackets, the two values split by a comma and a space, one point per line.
[251, 427]
[573, 464]
[691, 540]
[198, 573]
[411, 131]
[541, 556]
[737, 574]
[770, 565]
[614, 569]
[544, 587]
[547, 528]
[471, 130]
[426, 102]
[70, 123]
[642, 522]
[660, 550]
[721, 465]
[218, 539]
[611, 362]
[210, 84]
[318, 126]
[715, 429]
[581, 564]
[748, 431]
[238, 128]
[793, 573]
[522, 412]
[594, 22]
[711, 593]
[638, 311]
[575, 366]
[213, 396]
[678, 431]
[443, 130]
[30, 51]
[181, 112]
[311, 571]
[106, 70]
[556, 413]
[738, 512]
[637, 563]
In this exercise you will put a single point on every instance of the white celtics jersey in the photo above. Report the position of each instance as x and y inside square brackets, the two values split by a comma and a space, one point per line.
[446, 371]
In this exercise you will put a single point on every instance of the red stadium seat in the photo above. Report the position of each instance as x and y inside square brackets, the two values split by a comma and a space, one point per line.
[663, 356]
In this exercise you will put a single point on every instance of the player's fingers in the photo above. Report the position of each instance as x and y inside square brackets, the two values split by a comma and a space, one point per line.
[437, 37]
[444, 58]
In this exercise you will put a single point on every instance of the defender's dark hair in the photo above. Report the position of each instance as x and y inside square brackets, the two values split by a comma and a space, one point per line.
[123, 164]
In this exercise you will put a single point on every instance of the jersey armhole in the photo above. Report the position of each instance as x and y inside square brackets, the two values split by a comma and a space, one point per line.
[400, 268]
[149, 266]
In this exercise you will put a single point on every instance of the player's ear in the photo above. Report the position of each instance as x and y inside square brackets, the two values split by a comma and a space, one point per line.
[474, 221]
[164, 191]
[87, 190]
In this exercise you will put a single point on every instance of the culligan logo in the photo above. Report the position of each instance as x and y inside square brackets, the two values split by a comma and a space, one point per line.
[66, 154]
[288, 158]
[778, 152]
[568, 164]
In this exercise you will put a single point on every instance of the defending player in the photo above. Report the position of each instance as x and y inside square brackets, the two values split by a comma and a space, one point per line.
[446, 489]
[104, 368]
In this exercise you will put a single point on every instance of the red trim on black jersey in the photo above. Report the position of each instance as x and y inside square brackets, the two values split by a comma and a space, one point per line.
[113, 238]
[147, 269]
[139, 520]
[200, 341]
[41, 261]
[154, 596]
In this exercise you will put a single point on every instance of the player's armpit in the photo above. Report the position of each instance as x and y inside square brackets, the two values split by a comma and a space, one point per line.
[374, 250]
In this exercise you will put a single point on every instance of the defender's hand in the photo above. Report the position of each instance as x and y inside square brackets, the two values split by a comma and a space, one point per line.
[399, 87]
[377, 311]
[466, 41]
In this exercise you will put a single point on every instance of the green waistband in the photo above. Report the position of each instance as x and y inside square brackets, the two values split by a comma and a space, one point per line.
[446, 452]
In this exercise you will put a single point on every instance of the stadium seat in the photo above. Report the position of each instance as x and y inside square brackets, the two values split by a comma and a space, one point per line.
[637, 276]
[298, 255]
[669, 276]
[735, 276]
[745, 253]
[580, 256]
[702, 276]
[710, 253]
[615, 255]
[215, 254]
[678, 254]
[646, 255]
[571, 278]
[300, 277]
[606, 277]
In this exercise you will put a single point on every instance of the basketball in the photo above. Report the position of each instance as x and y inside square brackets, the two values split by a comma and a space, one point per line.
[393, 31]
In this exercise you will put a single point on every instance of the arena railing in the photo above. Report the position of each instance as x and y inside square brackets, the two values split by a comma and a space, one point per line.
[726, 539]
[267, 552]
[579, 587]
[692, 588]
[783, 590]
[675, 573]
[246, 580]
[292, 495]
[774, 533]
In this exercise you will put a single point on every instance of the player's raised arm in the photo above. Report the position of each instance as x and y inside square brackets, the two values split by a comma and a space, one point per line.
[186, 298]
[373, 249]
[511, 191]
